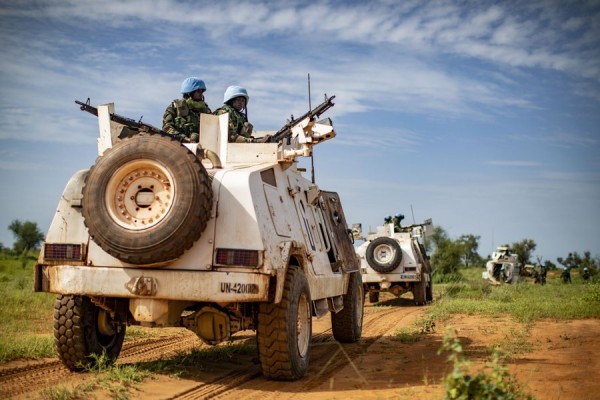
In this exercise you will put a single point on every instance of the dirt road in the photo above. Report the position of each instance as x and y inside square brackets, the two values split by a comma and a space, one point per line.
[556, 361]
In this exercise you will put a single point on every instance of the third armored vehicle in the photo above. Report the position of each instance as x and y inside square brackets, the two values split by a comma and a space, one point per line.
[394, 260]
[504, 267]
[215, 237]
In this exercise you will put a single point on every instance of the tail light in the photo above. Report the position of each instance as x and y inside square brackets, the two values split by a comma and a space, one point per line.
[63, 252]
[246, 258]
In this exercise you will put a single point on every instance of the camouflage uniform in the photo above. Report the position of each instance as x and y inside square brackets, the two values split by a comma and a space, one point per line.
[182, 119]
[240, 130]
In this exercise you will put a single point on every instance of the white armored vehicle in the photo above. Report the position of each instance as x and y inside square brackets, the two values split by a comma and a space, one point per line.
[394, 260]
[504, 267]
[215, 237]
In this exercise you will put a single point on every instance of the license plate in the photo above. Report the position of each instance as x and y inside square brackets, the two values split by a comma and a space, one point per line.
[407, 276]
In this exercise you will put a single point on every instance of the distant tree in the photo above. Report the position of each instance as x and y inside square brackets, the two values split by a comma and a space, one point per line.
[574, 260]
[524, 249]
[549, 265]
[469, 245]
[448, 253]
[27, 234]
[437, 238]
[568, 262]
[447, 257]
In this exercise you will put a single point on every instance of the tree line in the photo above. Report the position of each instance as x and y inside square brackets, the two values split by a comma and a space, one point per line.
[447, 255]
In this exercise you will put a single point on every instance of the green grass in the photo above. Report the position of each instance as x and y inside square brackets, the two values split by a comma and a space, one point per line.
[115, 379]
[525, 301]
[25, 316]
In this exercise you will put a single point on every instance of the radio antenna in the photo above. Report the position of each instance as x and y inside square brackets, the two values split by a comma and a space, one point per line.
[312, 160]
[309, 105]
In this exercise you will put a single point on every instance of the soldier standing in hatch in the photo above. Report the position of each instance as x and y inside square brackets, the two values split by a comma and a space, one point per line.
[182, 116]
[235, 102]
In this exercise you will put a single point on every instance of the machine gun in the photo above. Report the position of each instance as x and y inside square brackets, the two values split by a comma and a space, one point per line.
[286, 130]
[132, 125]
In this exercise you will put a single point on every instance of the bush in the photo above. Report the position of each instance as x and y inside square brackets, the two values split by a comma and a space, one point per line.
[453, 277]
[497, 384]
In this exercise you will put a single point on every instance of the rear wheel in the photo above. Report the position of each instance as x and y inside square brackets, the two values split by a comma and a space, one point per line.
[84, 331]
[346, 325]
[373, 297]
[429, 290]
[284, 330]
[420, 291]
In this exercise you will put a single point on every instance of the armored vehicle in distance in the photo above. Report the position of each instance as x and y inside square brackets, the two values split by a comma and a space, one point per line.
[504, 267]
[394, 260]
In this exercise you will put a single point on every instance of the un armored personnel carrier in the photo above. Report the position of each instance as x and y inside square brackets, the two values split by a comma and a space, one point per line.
[213, 236]
[394, 260]
[504, 267]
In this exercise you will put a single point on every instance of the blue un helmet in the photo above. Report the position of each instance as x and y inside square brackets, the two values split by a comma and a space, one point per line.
[192, 84]
[235, 91]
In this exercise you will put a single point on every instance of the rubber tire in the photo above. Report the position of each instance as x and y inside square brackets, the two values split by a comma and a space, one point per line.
[373, 297]
[429, 290]
[384, 243]
[284, 330]
[420, 292]
[178, 219]
[346, 325]
[77, 336]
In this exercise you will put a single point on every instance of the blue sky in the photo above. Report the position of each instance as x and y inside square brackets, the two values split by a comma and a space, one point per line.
[484, 116]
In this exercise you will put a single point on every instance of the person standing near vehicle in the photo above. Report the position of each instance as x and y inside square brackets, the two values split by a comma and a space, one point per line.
[182, 117]
[235, 103]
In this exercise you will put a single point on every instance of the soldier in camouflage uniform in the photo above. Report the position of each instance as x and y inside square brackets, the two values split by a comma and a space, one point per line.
[182, 116]
[235, 101]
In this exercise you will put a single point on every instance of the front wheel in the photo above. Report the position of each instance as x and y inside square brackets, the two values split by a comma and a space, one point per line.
[346, 325]
[284, 330]
[83, 332]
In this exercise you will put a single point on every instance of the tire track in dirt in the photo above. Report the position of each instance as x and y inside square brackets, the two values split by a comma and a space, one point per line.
[231, 382]
[247, 382]
[38, 375]
[325, 362]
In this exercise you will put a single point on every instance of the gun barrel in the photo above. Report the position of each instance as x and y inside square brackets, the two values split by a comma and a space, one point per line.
[131, 123]
[314, 113]
[87, 107]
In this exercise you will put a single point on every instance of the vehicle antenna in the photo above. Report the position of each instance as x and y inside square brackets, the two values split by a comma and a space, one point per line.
[413, 214]
[312, 160]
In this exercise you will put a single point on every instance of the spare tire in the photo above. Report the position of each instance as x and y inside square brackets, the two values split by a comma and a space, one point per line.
[384, 254]
[147, 199]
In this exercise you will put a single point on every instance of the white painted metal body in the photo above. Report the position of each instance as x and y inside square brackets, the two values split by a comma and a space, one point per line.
[261, 202]
[409, 269]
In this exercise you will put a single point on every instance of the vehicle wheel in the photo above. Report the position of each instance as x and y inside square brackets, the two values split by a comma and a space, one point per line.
[346, 325]
[373, 297]
[147, 199]
[429, 290]
[284, 330]
[384, 254]
[83, 332]
[420, 292]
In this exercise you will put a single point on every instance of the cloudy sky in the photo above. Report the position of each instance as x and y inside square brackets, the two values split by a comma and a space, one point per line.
[484, 116]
